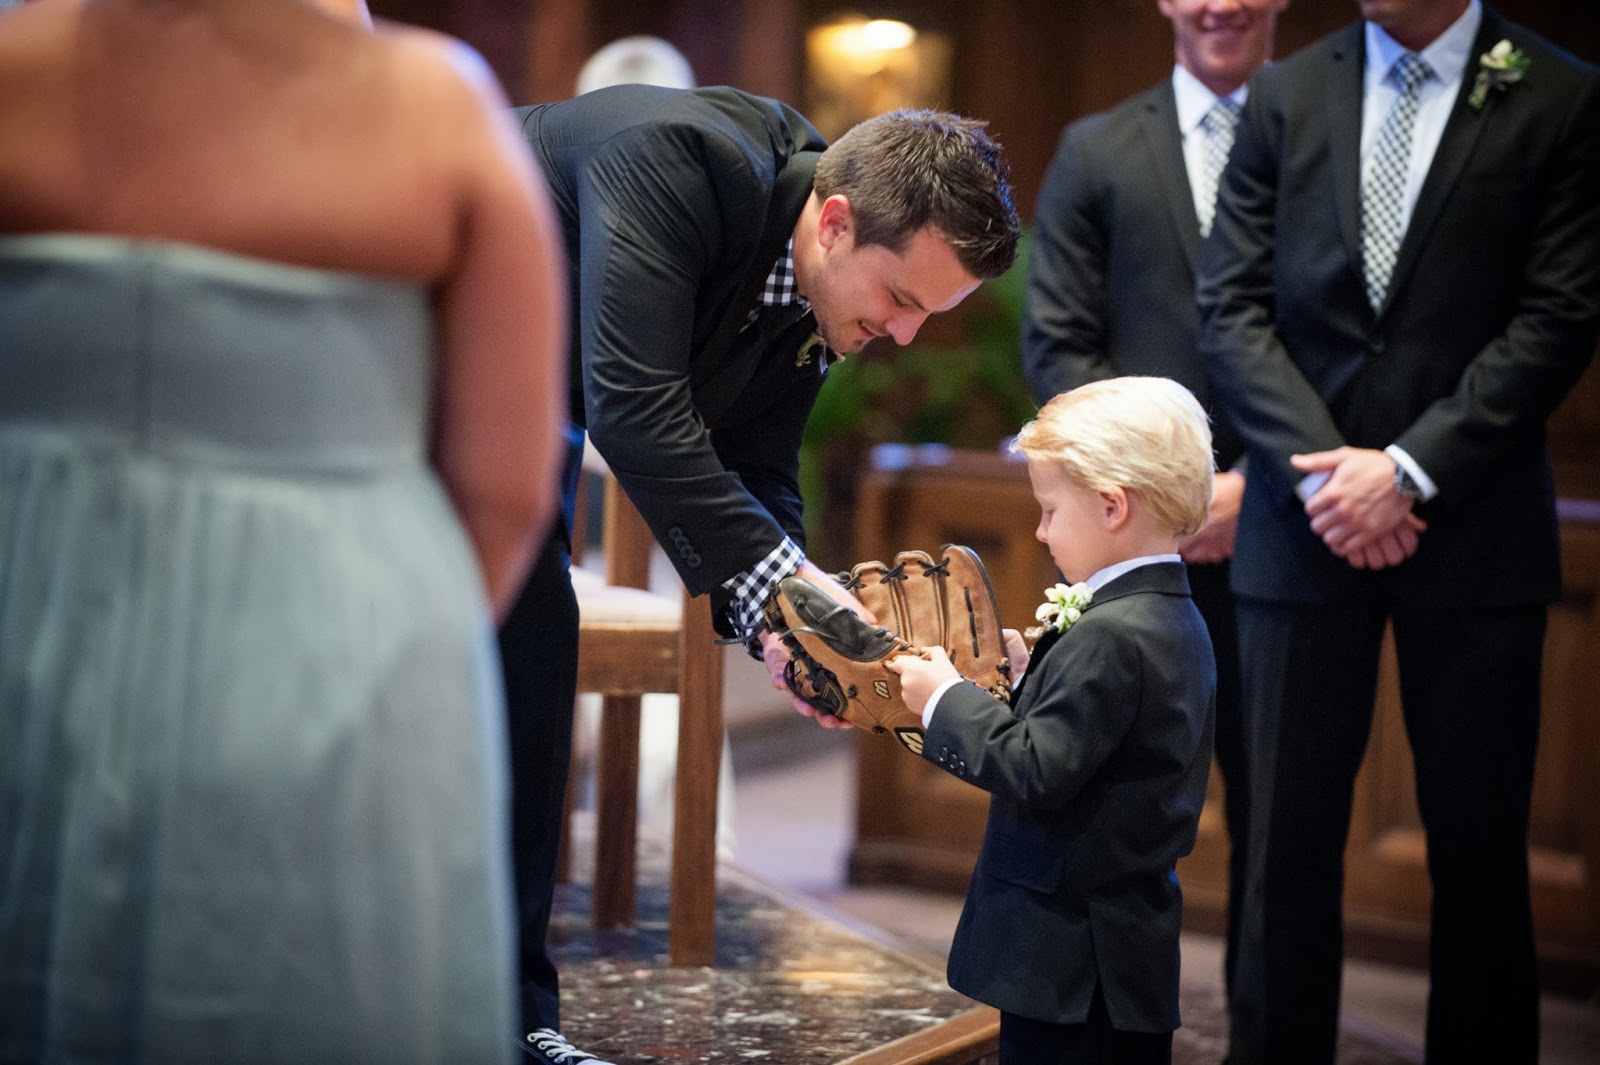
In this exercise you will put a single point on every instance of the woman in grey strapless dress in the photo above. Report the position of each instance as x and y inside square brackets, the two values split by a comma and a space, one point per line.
[252, 784]
[245, 661]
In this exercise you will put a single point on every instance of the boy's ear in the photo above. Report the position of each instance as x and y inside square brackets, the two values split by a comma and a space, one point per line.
[1115, 508]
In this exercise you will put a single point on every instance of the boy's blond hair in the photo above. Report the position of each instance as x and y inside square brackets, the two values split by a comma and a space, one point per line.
[1147, 435]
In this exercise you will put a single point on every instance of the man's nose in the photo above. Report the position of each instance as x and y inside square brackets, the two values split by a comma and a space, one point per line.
[903, 327]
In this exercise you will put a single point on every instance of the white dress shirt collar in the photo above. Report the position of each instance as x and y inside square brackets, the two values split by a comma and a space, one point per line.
[1100, 578]
[1447, 55]
[1194, 99]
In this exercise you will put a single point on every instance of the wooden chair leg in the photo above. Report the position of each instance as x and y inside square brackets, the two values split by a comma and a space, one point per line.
[616, 812]
[692, 917]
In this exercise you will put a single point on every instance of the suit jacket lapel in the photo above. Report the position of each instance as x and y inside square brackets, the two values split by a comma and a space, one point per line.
[1461, 133]
[789, 194]
[1167, 578]
[1040, 649]
[1159, 124]
[1344, 138]
[767, 348]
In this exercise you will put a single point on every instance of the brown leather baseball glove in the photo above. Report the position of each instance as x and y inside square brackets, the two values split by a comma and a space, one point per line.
[837, 659]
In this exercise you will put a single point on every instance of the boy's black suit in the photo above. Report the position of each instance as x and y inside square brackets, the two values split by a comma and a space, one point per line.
[1098, 773]
[1490, 317]
[1111, 292]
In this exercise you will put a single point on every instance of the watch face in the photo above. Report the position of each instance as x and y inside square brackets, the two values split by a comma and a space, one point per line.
[1404, 484]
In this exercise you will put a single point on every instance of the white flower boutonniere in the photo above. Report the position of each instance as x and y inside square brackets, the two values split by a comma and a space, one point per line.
[1062, 607]
[1499, 67]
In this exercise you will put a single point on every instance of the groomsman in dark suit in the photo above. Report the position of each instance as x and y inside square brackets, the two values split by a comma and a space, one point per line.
[1125, 204]
[1403, 282]
[721, 255]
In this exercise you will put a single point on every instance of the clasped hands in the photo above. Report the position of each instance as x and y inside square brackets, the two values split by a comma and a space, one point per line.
[919, 676]
[775, 656]
[1357, 511]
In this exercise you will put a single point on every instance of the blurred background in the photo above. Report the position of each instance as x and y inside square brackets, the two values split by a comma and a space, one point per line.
[1027, 66]
[904, 453]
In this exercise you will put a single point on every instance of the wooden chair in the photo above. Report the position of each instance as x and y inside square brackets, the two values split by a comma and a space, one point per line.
[632, 642]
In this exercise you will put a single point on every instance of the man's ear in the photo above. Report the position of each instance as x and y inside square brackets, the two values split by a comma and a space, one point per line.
[835, 220]
[1115, 508]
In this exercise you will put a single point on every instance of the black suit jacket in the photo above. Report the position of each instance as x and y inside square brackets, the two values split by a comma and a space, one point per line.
[675, 205]
[1098, 772]
[1111, 271]
[1491, 317]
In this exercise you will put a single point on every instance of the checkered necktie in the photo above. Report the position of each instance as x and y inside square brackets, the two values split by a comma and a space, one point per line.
[1218, 125]
[1383, 191]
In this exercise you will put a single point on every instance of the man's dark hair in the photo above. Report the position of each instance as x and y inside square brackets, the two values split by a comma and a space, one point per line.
[906, 170]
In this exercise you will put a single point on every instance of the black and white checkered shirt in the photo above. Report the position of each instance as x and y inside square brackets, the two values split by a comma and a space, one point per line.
[751, 588]
[779, 288]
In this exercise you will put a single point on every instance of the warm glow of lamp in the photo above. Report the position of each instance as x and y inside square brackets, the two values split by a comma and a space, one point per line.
[864, 46]
[857, 67]
[887, 35]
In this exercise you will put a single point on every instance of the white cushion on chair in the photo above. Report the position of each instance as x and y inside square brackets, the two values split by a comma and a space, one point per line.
[602, 603]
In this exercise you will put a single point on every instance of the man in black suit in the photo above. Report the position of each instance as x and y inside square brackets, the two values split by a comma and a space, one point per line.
[721, 255]
[1403, 282]
[1125, 203]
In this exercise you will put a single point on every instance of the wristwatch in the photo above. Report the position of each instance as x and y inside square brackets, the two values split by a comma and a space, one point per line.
[1405, 484]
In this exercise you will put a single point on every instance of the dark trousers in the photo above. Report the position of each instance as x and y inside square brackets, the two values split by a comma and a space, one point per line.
[1209, 584]
[539, 661]
[1024, 1041]
[1469, 684]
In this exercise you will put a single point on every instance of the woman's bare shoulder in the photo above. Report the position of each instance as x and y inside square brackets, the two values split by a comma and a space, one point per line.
[441, 67]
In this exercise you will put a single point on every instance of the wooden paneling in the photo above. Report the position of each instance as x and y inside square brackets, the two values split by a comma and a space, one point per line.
[924, 826]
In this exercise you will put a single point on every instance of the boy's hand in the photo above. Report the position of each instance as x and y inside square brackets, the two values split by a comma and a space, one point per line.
[1016, 654]
[920, 676]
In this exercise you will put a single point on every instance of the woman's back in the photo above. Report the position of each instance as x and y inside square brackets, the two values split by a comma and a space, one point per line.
[251, 771]
[280, 349]
[271, 129]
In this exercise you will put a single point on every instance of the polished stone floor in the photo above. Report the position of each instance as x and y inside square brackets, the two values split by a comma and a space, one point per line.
[790, 985]
[803, 975]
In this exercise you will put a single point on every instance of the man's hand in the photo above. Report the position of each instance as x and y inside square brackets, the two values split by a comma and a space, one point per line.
[1214, 541]
[920, 676]
[1392, 548]
[825, 581]
[775, 656]
[1357, 512]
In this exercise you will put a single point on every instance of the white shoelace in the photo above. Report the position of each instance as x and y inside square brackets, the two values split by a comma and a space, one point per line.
[556, 1048]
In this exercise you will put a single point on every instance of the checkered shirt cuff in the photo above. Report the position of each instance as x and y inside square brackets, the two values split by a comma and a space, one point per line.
[752, 588]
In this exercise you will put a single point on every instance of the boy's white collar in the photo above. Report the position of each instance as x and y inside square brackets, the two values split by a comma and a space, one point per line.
[1102, 577]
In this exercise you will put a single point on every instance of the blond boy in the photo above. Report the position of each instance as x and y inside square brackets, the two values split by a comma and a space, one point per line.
[1097, 767]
